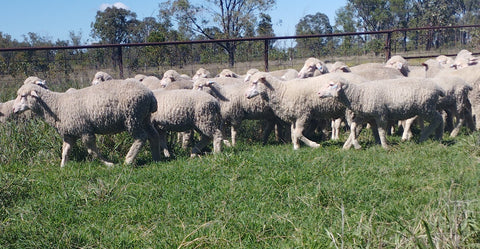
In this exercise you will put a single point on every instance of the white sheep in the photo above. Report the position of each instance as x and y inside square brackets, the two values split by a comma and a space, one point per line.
[101, 76]
[376, 71]
[295, 102]
[228, 73]
[383, 100]
[464, 59]
[399, 63]
[312, 67]
[173, 80]
[99, 109]
[183, 110]
[235, 107]
[202, 73]
[337, 67]
[6, 108]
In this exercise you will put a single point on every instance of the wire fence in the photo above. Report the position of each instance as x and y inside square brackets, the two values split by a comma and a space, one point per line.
[77, 64]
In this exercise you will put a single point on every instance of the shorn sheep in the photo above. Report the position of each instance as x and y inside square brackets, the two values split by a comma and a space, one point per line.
[383, 100]
[295, 102]
[99, 109]
[183, 110]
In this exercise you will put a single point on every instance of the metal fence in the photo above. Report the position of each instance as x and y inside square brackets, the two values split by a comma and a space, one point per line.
[77, 64]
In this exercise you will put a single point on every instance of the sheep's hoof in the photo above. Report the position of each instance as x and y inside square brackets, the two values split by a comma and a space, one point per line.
[296, 147]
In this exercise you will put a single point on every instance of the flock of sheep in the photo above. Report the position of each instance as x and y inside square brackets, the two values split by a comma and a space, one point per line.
[443, 91]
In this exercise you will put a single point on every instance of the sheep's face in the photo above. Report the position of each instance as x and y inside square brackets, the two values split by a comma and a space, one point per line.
[331, 90]
[202, 84]
[25, 100]
[254, 88]
[201, 73]
[310, 67]
[101, 77]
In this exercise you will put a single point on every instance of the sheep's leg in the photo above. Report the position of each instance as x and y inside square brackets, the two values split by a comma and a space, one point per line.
[68, 142]
[407, 132]
[336, 123]
[233, 133]
[197, 149]
[269, 127]
[382, 133]
[352, 138]
[163, 142]
[217, 141]
[139, 139]
[89, 141]
[436, 123]
[298, 130]
[458, 126]
[154, 140]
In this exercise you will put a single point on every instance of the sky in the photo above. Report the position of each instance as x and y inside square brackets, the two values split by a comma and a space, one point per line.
[55, 19]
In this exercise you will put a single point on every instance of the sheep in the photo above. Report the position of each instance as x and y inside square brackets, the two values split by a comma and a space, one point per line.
[202, 73]
[99, 109]
[6, 108]
[399, 63]
[183, 110]
[152, 82]
[228, 73]
[376, 71]
[310, 68]
[295, 102]
[385, 100]
[101, 76]
[235, 107]
[464, 59]
[338, 66]
[173, 80]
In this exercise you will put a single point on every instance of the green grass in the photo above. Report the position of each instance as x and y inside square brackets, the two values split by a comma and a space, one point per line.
[252, 196]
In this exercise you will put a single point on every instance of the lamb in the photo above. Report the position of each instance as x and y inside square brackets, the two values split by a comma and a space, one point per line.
[183, 110]
[383, 100]
[99, 109]
[235, 107]
[295, 102]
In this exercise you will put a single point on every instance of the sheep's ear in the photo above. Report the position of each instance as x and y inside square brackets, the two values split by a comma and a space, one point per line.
[33, 93]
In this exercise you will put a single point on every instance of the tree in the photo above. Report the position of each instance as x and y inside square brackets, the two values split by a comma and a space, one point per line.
[115, 26]
[313, 24]
[233, 17]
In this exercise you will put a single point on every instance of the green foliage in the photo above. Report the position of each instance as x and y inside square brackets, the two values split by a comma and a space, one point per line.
[251, 196]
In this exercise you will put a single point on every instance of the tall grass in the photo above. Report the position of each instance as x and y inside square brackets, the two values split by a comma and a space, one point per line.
[251, 196]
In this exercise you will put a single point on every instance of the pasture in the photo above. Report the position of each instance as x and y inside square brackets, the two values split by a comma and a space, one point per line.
[251, 196]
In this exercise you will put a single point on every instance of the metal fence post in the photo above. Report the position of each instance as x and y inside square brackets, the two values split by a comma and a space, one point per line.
[388, 47]
[265, 54]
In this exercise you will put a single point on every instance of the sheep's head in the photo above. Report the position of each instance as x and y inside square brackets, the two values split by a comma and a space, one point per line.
[331, 90]
[310, 67]
[227, 73]
[101, 77]
[256, 80]
[27, 97]
[202, 84]
[399, 63]
[168, 77]
[201, 73]
[140, 77]
[37, 81]
[249, 74]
